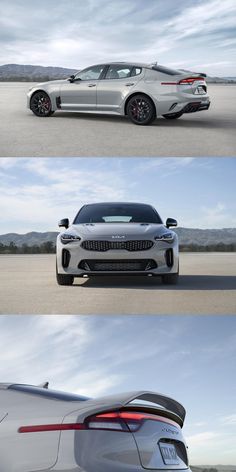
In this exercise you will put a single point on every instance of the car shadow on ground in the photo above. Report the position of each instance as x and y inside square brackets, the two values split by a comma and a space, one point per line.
[183, 122]
[186, 282]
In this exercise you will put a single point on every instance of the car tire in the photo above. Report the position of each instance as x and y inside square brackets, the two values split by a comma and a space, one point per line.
[173, 116]
[64, 279]
[40, 104]
[170, 279]
[141, 110]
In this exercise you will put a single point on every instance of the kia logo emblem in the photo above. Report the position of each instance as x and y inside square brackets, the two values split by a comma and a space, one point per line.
[118, 237]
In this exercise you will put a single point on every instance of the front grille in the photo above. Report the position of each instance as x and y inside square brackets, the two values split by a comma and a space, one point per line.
[111, 265]
[103, 246]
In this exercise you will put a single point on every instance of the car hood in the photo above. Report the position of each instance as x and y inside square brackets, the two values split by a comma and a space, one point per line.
[119, 231]
[52, 82]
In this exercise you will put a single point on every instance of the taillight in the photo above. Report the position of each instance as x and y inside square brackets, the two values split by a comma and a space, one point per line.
[125, 421]
[190, 80]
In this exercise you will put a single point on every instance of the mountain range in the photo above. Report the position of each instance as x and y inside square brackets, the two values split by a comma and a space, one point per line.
[29, 73]
[209, 468]
[36, 73]
[187, 237]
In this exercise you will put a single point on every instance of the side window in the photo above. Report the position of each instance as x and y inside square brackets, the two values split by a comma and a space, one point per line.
[92, 73]
[118, 72]
[136, 71]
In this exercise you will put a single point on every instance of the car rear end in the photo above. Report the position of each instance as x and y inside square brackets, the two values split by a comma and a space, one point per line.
[176, 93]
[134, 438]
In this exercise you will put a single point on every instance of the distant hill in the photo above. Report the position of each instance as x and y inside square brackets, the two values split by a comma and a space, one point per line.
[31, 73]
[187, 236]
[28, 73]
[209, 468]
[31, 239]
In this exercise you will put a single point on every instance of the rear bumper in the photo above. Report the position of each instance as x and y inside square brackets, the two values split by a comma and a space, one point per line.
[196, 106]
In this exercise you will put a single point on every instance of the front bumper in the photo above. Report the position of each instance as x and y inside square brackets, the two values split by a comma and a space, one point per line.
[162, 258]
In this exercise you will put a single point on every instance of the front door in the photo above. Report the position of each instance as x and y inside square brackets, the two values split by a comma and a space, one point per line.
[81, 93]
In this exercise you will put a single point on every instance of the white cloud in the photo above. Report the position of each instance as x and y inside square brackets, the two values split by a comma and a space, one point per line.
[229, 420]
[53, 348]
[201, 440]
[167, 31]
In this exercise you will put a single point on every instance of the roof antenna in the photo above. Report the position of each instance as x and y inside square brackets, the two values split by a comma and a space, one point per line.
[44, 385]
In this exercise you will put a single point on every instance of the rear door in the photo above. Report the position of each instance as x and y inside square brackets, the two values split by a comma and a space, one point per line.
[81, 94]
[119, 81]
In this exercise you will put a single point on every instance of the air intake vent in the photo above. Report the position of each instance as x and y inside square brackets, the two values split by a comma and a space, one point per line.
[133, 265]
[65, 258]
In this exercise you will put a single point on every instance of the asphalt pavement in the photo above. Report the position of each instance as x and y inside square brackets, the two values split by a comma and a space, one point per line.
[207, 286]
[206, 133]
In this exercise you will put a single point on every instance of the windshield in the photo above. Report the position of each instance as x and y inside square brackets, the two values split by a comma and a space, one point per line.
[117, 213]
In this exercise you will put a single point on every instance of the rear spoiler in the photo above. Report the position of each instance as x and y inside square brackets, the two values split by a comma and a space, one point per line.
[121, 400]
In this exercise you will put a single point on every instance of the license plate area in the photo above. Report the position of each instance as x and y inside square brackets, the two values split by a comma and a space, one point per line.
[200, 90]
[169, 454]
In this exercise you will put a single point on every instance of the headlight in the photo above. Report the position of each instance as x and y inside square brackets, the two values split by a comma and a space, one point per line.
[167, 237]
[68, 238]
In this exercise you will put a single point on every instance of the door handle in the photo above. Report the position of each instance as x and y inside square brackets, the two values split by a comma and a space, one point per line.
[91, 85]
[129, 84]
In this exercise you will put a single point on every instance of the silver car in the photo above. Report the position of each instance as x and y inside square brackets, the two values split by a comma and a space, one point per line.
[117, 238]
[48, 430]
[141, 91]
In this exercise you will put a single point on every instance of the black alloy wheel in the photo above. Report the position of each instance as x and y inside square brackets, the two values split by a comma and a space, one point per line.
[141, 110]
[40, 104]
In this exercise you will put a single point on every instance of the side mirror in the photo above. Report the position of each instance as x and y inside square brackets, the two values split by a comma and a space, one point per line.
[63, 223]
[71, 78]
[171, 222]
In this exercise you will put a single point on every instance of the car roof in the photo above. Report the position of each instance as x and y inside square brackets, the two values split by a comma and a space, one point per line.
[125, 63]
[118, 203]
[134, 64]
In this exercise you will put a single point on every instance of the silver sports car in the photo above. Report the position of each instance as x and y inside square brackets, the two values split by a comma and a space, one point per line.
[141, 91]
[48, 430]
[117, 238]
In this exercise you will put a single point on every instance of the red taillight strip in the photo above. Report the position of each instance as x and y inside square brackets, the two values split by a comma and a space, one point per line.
[128, 416]
[51, 427]
[136, 417]
[190, 80]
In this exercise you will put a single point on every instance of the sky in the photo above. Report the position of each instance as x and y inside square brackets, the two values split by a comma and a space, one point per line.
[192, 34]
[190, 358]
[37, 192]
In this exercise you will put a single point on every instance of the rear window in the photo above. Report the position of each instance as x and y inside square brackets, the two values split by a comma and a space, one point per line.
[50, 394]
[166, 70]
[117, 213]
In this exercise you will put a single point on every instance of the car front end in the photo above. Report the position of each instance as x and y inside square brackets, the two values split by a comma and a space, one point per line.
[48, 89]
[98, 249]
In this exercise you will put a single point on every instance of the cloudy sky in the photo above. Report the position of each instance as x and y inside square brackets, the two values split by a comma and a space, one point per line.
[191, 358]
[37, 192]
[194, 34]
